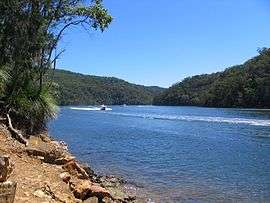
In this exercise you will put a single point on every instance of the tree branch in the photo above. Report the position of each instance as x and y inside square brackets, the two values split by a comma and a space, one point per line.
[15, 133]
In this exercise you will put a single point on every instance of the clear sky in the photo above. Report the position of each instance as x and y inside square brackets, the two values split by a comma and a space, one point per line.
[160, 42]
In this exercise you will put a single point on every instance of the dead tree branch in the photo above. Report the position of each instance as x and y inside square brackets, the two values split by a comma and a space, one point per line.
[16, 133]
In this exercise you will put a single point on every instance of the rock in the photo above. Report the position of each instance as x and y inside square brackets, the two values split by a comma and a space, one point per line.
[40, 158]
[47, 157]
[26, 194]
[88, 170]
[61, 144]
[45, 138]
[91, 200]
[81, 190]
[65, 176]
[99, 191]
[7, 191]
[41, 194]
[75, 169]
[6, 168]
[78, 201]
[53, 156]
[107, 200]
[130, 198]
[64, 160]
[35, 152]
[86, 188]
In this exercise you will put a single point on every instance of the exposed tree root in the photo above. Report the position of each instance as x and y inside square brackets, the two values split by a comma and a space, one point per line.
[16, 133]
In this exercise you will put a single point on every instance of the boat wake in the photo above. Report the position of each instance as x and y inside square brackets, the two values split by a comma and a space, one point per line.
[90, 109]
[254, 122]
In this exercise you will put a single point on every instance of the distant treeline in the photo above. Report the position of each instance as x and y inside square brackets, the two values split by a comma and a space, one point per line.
[246, 85]
[79, 89]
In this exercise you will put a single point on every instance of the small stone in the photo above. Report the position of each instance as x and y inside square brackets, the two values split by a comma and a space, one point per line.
[107, 200]
[78, 201]
[41, 194]
[130, 198]
[91, 200]
[26, 194]
[65, 176]
[40, 157]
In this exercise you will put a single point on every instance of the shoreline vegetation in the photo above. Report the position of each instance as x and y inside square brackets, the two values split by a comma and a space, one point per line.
[45, 171]
[240, 86]
[79, 89]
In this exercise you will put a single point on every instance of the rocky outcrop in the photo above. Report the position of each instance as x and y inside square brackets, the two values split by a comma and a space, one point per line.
[81, 179]
[54, 156]
[65, 176]
[47, 172]
[75, 169]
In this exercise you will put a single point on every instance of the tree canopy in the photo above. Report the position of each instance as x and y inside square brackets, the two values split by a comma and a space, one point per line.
[246, 85]
[79, 89]
[29, 33]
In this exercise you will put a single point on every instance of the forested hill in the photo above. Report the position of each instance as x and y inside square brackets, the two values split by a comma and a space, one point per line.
[79, 89]
[246, 85]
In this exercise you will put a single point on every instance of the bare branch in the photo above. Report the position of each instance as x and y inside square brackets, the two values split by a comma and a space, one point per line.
[18, 136]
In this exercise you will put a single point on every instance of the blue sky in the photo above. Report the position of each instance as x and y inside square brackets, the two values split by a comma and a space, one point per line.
[160, 42]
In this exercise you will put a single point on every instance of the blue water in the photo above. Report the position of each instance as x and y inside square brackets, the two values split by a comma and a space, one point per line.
[175, 154]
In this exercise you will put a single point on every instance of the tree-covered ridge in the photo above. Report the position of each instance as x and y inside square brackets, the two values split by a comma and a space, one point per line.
[246, 85]
[79, 89]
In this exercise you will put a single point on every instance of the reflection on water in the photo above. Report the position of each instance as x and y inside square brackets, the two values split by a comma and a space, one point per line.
[175, 154]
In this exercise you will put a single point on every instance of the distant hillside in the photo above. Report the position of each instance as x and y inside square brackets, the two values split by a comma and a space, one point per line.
[79, 89]
[246, 85]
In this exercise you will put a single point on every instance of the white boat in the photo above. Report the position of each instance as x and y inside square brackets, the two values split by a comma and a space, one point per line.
[103, 107]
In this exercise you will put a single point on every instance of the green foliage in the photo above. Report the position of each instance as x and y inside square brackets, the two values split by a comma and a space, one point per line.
[78, 89]
[29, 33]
[246, 85]
[34, 108]
[3, 80]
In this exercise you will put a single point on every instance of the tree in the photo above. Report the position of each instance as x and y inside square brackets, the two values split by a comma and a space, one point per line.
[246, 85]
[29, 33]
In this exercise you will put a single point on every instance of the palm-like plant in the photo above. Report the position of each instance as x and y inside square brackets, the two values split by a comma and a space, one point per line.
[34, 107]
[3, 80]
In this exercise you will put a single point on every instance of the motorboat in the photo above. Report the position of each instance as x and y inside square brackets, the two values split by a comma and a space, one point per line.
[103, 107]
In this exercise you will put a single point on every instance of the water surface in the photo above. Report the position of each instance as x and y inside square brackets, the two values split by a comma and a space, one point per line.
[175, 154]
